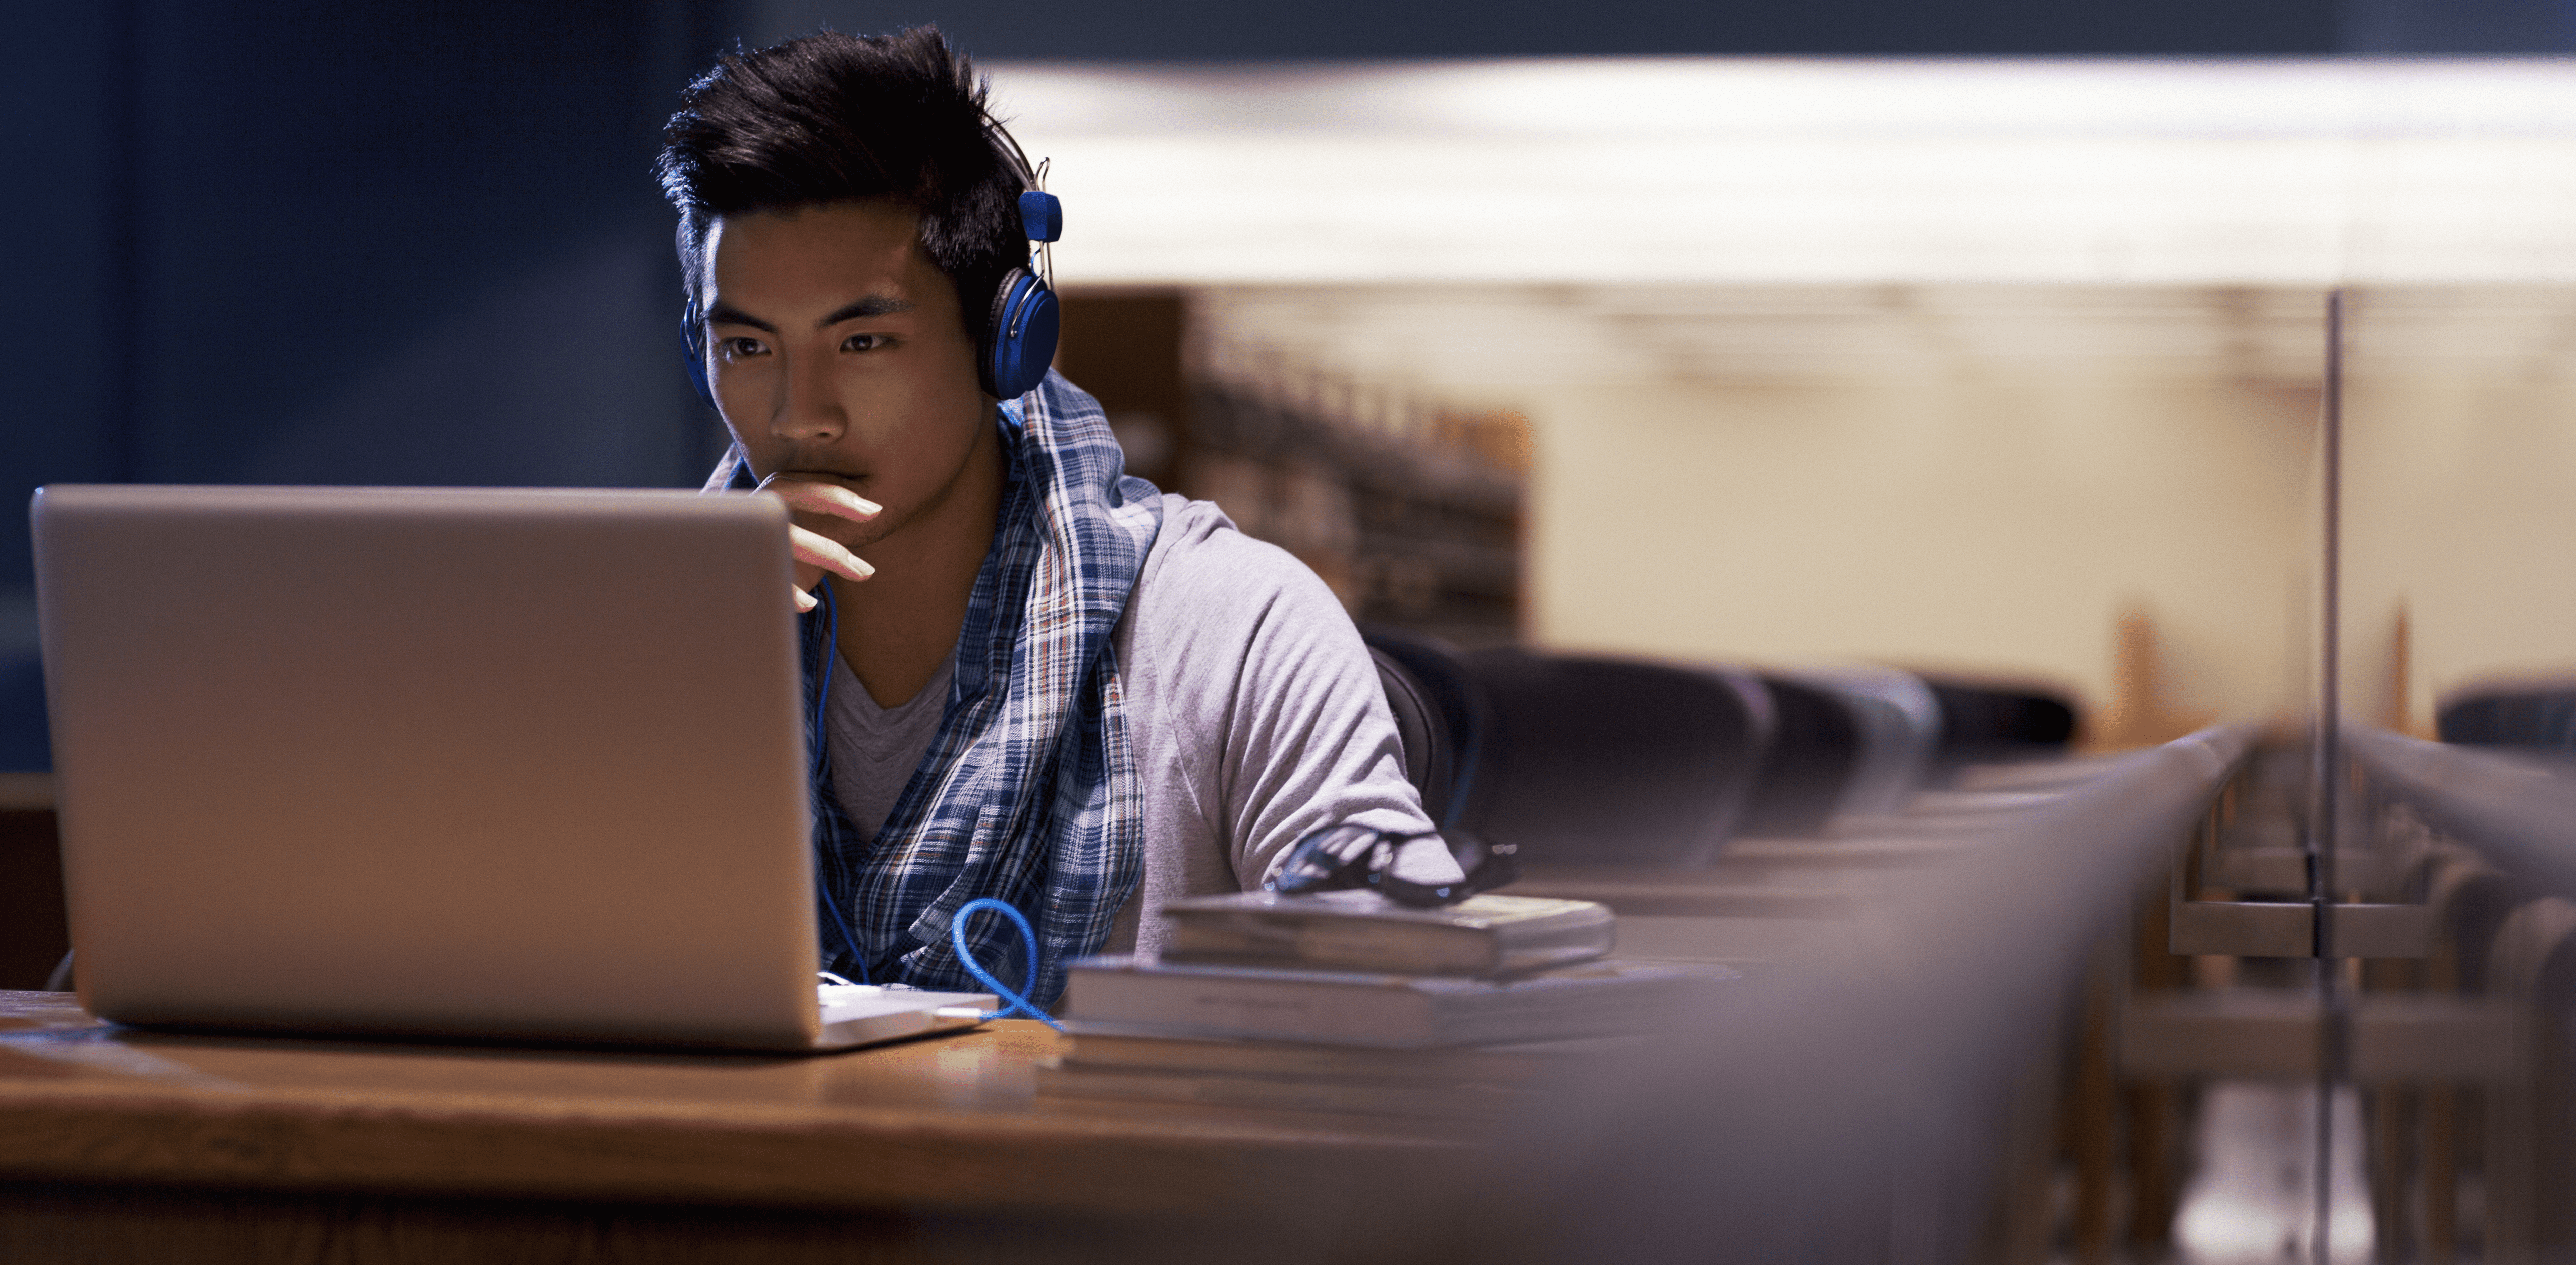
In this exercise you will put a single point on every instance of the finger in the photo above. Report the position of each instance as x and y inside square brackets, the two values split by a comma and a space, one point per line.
[804, 601]
[822, 551]
[821, 498]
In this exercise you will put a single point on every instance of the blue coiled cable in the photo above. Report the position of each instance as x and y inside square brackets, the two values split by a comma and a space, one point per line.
[1018, 1001]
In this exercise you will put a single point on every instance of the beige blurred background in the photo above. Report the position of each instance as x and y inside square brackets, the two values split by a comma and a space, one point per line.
[1979, 478]
[2460, 463]
[2000, 367]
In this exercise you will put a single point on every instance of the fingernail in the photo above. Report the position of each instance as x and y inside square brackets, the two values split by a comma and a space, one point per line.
[858, 502]
[865, 567]
[805, 601]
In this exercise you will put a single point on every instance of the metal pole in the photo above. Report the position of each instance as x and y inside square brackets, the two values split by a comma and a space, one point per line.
[2333, 1032]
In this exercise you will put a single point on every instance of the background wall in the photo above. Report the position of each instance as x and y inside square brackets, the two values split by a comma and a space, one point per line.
[2460, 457]
[1980, 477]
[336, 243]
[1979, 522]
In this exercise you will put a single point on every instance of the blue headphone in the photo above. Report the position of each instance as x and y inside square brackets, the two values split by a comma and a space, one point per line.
[1019, 340]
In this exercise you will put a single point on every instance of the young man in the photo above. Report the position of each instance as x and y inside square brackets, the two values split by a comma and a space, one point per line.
[1037, 679]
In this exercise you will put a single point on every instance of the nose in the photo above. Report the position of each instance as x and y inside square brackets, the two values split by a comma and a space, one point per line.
[809, 410]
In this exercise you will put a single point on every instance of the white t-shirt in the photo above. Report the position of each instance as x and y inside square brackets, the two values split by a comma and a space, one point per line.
[1253, 705]
[875, 749]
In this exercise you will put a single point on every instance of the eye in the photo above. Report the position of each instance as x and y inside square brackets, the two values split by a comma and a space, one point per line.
[740, 348]
[867, 342]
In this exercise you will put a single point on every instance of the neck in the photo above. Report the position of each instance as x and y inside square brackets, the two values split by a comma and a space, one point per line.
[899, 626]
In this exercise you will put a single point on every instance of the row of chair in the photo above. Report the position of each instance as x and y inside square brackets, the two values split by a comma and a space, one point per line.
[2538, 714]
[1590, 760]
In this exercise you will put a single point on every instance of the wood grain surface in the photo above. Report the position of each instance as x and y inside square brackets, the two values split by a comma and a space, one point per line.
[938, 1128]
[1712, 893]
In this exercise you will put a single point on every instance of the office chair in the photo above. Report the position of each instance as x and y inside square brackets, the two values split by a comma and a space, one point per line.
[1441, 678]
[2539, 714]
[1997, 722]
[1594, 761]
[1815, 749]
[1899, 724]
[1421, 730]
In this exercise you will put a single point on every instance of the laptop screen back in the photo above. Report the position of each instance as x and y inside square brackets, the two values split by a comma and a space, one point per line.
[488, 763]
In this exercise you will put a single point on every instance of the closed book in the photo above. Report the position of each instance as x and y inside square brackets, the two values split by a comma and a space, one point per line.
[1363, 931]
[1336, 1007]
[1098, 1048]
[1067, 1078]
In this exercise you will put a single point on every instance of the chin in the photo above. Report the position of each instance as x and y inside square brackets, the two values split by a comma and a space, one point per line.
[856, 537]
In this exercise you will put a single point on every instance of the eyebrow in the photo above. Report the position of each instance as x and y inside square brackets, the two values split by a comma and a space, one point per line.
[873, 305]
[722, 315]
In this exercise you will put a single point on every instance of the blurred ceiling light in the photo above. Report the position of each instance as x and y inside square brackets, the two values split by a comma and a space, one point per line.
[1749, 171]
[1486, 341]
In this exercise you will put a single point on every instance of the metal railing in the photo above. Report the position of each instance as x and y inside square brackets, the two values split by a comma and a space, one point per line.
[1862, 1101]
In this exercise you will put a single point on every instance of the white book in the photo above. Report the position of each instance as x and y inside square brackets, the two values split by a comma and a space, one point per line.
[1335, 1007]
[1362, 931]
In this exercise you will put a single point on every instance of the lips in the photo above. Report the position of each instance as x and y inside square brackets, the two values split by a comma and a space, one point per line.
[820, 476]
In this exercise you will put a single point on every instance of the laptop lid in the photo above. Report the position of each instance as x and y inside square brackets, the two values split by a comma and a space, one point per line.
[489, 763]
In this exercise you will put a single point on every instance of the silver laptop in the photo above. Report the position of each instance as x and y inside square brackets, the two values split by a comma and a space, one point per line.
[520, 765]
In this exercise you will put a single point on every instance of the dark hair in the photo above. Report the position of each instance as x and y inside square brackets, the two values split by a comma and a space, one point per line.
[834, 117]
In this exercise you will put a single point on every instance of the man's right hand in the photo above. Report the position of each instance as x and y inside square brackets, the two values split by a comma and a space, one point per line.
[816, 553]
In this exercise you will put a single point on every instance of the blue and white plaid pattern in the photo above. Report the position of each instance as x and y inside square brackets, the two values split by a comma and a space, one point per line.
[1029, 793]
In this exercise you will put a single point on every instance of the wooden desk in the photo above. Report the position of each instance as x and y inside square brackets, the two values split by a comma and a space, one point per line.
[118, 1145]
[1710, 893]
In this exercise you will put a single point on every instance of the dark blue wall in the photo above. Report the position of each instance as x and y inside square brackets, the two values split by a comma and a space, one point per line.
[337, 244]
[414, 251]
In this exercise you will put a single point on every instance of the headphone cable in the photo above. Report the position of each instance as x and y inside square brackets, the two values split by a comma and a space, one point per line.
[1013, 999]
[822, 695]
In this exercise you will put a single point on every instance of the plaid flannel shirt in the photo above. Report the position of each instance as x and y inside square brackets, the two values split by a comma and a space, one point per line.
[1029, 792]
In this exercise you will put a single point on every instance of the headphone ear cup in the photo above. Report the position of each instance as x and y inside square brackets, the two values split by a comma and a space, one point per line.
[1037, 325]
[988, 355]
[1020, 340]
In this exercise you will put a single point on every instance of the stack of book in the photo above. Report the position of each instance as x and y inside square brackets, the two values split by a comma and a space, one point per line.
[1342, 1001]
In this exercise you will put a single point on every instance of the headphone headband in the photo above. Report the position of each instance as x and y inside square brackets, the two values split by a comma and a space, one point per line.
[1019, 340]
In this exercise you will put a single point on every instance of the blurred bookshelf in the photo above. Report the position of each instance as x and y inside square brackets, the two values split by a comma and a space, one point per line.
[1411, 512]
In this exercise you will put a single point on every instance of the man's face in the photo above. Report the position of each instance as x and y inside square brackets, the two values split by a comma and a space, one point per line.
[836, 354]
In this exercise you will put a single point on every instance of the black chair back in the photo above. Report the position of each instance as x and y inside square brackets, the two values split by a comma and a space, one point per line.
[1993, 722]
[1595, 761]
[1899, 724]
[1438, 675]
[1429, 752]
[2540, 714]
[1814, 749]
